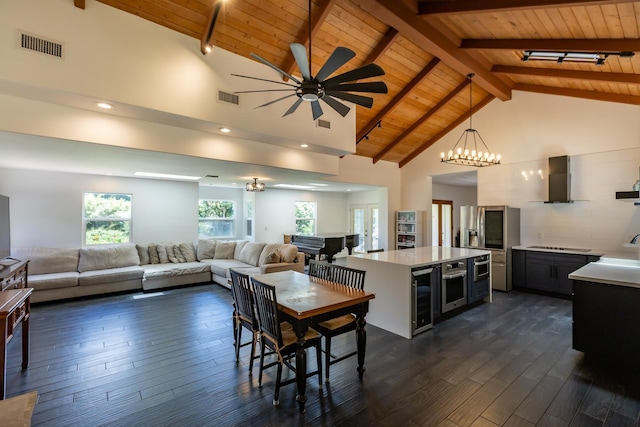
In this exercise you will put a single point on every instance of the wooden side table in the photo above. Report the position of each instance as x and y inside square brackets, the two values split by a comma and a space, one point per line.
[15, 308]
[13, 273]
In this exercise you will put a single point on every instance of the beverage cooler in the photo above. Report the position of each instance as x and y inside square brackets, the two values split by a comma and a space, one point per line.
[424, 289]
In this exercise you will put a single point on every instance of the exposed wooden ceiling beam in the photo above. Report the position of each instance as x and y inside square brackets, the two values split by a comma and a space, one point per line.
[582, 45]
[415, 153]
[382, 46]
[576, 93]
[79, 3]
[397, 99]
[475, 6]
[569, 74]
[317, 20]
[421, 120]
[424, 34]
[205, 39]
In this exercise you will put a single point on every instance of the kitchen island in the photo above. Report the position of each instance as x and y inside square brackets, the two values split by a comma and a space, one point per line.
[606, 312]
[391, 276]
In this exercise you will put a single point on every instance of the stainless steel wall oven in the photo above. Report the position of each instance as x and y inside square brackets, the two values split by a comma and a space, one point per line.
[454, 285]
[481, 268]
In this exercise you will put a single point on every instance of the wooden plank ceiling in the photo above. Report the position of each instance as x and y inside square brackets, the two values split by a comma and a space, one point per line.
[427, 49]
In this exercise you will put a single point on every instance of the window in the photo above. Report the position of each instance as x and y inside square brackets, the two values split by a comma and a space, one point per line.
[306, 218]
[249, 217]
[216, 218]
[106, 218]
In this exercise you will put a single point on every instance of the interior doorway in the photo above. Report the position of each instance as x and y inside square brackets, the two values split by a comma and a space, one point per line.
[442, 223]
[365, 222]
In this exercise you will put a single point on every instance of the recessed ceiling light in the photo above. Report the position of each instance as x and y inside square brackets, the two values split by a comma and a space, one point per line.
[224, 130]
[104, 105]
[166, 175]
[304, 145]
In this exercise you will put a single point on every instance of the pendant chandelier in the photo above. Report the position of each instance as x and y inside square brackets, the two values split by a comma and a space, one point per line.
[255, 185]
[467, 153]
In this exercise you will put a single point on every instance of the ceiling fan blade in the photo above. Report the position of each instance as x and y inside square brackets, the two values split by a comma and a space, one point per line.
[300, 55]
[316, 109]
[264, 90]
[276, 100]
[264, 80]
[365, 101]
[294, 107]
[364, 72]
[338, 58]
[269, 64]
[342, 109]
[373, 87]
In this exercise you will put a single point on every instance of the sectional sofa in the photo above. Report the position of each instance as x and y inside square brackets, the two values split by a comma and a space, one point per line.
[61, 273]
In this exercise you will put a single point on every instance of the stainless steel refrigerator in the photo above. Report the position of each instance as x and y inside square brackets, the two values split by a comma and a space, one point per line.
[494, 228]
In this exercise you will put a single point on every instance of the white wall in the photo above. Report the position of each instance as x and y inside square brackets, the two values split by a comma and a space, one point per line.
[46, 207]
[601, 139]
[275, 212]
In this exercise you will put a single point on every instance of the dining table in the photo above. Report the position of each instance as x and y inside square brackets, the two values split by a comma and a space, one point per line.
[305, 301]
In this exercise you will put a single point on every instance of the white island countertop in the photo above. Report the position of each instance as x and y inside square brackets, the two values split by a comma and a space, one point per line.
[424, 255]
[612, 271]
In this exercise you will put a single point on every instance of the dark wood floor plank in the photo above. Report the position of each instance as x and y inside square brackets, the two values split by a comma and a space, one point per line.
[167, 360]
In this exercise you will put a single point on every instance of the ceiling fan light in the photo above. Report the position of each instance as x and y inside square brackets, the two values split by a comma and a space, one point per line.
[310, 97]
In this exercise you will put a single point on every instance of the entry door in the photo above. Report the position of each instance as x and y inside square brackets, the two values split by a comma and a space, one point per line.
[442, 223]
[365, 222]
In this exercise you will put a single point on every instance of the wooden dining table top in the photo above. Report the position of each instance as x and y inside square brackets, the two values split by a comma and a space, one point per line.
[303, 296]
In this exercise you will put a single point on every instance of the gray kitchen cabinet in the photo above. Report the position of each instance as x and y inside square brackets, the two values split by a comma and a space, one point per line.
[547, 271]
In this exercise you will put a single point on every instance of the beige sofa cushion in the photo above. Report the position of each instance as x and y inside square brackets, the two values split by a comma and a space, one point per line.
[18, 410]
[105, 257]
[271, 250]
[154, 258]
[224, 250]
[206, 249]
[48, 260]
[251, 252]
[163, 256]
[54, 280]
[171, 253]
[288, 253]
[188, 252]
[143, 254]
[239, 246]
[111, 275]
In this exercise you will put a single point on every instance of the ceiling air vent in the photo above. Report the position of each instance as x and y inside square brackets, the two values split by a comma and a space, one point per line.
[323, 124]
[38, 44]
[229, 98]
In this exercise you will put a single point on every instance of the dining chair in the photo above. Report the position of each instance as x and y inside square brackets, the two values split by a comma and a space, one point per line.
[280, 337]
[320, 269]
[243, 314]
[333, 327]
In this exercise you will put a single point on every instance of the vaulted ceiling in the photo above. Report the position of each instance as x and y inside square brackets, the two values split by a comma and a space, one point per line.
[427, 49]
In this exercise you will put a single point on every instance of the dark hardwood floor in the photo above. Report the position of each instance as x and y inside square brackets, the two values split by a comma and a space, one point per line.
[168, 360]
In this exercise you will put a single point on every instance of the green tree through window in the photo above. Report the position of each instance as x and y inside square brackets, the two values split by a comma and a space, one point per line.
[216, 218]
[305, 218]
[107, 218]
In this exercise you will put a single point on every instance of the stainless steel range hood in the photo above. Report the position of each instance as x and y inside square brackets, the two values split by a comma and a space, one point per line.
[559, 180]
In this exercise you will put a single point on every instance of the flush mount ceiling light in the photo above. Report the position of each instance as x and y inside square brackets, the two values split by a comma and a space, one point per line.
[224, 129]
[104, 105]
[471, 156]
[255, 185]
[596, 58]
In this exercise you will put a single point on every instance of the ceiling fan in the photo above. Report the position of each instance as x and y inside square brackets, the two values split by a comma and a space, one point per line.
[320, 87]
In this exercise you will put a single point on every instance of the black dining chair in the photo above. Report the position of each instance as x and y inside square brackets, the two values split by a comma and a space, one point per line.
[280, 337]
[333, 327]
[243, 314]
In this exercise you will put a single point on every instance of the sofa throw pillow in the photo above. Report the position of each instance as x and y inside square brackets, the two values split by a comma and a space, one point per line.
[206, 249]
[162, 254]
[224, 250]
[239, 246]
[171, 253]
[188, 252]
[250, 254]
[154, 258]
[178, 254]
[288, 253]
[267, 250]
[143, 253]
[272, 258]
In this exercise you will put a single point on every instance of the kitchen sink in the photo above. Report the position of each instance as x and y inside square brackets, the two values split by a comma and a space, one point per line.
[558, 248]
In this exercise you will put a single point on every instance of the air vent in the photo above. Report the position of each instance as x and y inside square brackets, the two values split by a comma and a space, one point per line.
[323, 124]
[229, 98]
[38, 44]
